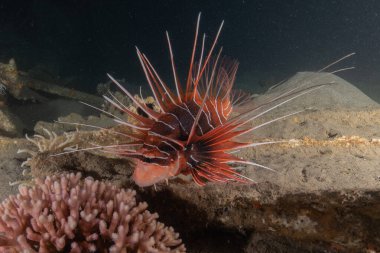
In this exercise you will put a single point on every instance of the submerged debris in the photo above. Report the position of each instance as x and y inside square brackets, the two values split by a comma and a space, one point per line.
[67, 214]
[22, 86]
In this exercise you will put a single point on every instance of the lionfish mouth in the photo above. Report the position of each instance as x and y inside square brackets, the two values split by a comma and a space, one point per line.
[193, 132]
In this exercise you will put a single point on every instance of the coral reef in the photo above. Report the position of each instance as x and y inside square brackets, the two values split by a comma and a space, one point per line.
[67, 214]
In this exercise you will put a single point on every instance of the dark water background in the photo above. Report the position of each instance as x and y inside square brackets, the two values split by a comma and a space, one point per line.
[78, 41]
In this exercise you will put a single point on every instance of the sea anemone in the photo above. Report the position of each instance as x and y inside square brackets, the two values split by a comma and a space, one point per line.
[67, 214]
[51, 143]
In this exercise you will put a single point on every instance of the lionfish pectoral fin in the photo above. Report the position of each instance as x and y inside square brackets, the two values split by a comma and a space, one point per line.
[148, 174]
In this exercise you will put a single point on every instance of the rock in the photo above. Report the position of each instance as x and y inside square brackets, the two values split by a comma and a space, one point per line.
[10, 164]
[9, 76]
[324, 195]
[334, 110]
[323, 192]
[266, 242]
[60, 128]
[338, 94]
[10, 124]
[23, 86]
[316, 197]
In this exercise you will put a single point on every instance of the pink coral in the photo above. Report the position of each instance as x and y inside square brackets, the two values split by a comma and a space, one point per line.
[67, 214]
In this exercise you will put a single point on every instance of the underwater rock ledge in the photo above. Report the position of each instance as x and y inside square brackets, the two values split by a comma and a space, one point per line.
[326, 190]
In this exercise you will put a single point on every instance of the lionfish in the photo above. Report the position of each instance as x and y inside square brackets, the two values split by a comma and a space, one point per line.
[194, 132]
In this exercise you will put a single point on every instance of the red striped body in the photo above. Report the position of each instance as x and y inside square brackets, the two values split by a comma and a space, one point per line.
[163, 159]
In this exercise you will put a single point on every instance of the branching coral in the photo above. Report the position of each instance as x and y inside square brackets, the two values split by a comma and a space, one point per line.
[67, 214]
